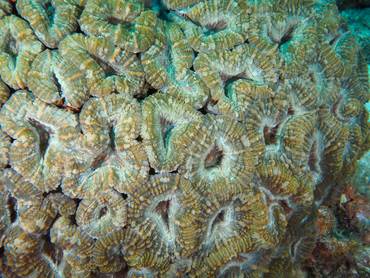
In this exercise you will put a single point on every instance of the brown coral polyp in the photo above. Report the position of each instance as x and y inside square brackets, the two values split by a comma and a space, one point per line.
[51, 20]
[124, 23]
[38, 130]
[102, 214]
[54, 80]
[168, 124]
[168, 66]
[212, 25]
[107, 68]
[19, 46]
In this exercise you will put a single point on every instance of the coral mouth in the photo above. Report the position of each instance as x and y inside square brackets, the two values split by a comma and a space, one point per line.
[214, 158]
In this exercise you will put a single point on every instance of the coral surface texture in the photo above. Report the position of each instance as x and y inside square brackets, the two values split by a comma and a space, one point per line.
[174, 138]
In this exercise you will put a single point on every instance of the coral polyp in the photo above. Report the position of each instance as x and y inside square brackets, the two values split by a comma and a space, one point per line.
[174, 139]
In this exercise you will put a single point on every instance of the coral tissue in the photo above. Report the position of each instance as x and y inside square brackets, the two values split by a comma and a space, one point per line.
[173, 139]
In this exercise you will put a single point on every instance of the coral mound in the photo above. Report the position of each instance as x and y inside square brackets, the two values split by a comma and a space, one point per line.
[181, 139]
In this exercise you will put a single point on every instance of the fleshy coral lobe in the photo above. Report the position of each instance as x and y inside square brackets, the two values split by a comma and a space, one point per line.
[177, 138]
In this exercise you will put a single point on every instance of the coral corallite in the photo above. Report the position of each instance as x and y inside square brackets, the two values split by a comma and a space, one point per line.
[174, 139]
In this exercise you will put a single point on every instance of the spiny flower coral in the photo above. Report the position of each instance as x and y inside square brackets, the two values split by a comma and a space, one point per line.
[182, 139]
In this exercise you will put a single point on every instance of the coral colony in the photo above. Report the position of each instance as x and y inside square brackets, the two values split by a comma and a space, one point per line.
[174, 139]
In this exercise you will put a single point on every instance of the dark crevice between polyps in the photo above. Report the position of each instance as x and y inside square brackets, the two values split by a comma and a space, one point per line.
[203, 109]
[69, 108]
[11, 206]
[56, 83]
[152, 171]
[176, 171]
[53, 251]
[158, 7]
[44, 136]
[228, 81]
[124, 196]
[72, 217]
[163, 209]
[214, 158]
[56, 190]
[62, 102]
[2, 249]
[146, 91]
